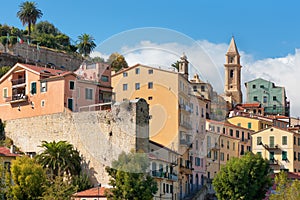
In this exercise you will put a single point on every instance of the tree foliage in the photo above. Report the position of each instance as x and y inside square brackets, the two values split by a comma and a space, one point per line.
[60, 158]
[117, 61]
[28, 14]
[86, 44]
[28, 179]
[130, 179]
[285, 189]
[176, 65]
[59, 189]
[243, 178]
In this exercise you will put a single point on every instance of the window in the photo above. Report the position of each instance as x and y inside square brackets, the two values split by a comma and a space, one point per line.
[195, 88]
[255, 98]
[150, 85]
[231, 73]
[104, 78]
[137, 71]
[253, 86]
[233, 146]
[284, 140]
[70, 104]
[231, 132]
[238, 124]
[197, 161]
[258, 141]
[150, 98]
[218, 129]
[231, 59]
[258, 153]
[224, 130]
[265, 99]
[248, 136]
[295, 155]
[5, 93]
[33, 88]
[150, 71]
[72, 85]
[215, 155]
[88, 93]
[209, 154]
[249, 125]
[284, 155]
[125, 74]
[271, 141]
[261, 86]
[274, 98]
[222, 156]
[137, 86]
[228, 144]
[43, 103]
[125, 87]
[43, 86]
[237, 133]
[298, 141]
[294, 140]
[202, 88]
[271, 155]
[298, 156]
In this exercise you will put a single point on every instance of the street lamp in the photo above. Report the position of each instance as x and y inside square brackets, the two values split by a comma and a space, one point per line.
[99, 186]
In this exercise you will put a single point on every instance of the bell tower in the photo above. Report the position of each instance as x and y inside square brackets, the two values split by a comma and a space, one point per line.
[233, 74]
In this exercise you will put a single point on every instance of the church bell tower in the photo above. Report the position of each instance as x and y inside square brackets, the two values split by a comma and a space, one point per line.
[233, 74]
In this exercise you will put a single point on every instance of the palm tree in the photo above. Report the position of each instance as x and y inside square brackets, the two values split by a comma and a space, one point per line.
[86, 44]
[28, 14]
[60, 158]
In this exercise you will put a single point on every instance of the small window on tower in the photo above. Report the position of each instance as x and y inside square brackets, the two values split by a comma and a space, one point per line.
[231, 73]
[231, 59]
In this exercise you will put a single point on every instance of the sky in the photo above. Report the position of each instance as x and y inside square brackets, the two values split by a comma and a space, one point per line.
[158, 32]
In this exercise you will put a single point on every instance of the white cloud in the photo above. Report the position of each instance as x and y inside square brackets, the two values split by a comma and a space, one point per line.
[207, 60]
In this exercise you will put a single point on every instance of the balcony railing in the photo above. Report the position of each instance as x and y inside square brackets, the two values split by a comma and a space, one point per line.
[18, 81]
[167, 175]
[273, 162]
[17, 98]
[186, 125]
[271, 146]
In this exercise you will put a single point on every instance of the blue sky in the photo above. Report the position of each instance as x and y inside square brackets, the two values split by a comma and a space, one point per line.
[267, 34]
[265, 28]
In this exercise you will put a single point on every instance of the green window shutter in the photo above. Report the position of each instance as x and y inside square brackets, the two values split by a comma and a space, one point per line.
[271, 141]
[271, 155]
[284, 155]
[33, 88]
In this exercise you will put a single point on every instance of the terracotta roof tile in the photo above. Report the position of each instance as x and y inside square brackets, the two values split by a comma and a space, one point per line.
[44, 70]
[4, 151]
[93, 192]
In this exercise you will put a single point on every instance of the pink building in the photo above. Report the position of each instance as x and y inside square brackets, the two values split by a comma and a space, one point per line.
[28, 90]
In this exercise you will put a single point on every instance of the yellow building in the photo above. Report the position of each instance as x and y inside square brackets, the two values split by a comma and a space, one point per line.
[280, 147]
[252, 123]
[170, 107]
[220, 148]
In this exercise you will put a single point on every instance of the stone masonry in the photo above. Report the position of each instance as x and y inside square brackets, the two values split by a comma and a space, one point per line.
[100, 136]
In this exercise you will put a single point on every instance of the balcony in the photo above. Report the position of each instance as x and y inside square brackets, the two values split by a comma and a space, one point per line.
[215, 147]
[272, 161]
[186, 125]
[271, 147]
[244, 140]
[17, 98]
[161, 174]
[185, 108]
[19, 81]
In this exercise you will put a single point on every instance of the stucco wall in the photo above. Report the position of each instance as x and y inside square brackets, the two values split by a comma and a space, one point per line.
[100, 136]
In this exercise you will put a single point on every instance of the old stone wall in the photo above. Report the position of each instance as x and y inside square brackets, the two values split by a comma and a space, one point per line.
[42, 55]
[100, 136]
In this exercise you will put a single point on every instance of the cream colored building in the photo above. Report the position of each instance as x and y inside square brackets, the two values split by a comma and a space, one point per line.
[280, 147]
[168, 95]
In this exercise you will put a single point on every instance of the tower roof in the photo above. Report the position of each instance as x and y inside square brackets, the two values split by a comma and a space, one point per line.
[232, 47]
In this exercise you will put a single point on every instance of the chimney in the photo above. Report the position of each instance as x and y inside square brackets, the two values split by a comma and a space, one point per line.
[12, 148]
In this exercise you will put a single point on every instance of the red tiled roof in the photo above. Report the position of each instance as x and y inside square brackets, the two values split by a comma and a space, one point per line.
[93, 192]
[44, 70]
[250, 105]
[4, 151]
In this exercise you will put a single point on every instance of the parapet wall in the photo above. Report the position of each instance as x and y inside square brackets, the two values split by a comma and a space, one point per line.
[100, 136]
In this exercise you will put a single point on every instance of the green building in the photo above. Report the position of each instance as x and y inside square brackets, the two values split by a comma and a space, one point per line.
[272, 97]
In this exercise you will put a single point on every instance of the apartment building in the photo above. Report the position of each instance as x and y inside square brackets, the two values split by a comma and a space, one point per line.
[272, 97]
[28, 90]
[169, 96]
[164, 169]
[281, 147]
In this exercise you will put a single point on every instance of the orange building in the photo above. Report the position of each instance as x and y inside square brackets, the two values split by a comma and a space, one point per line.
[28, 90]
